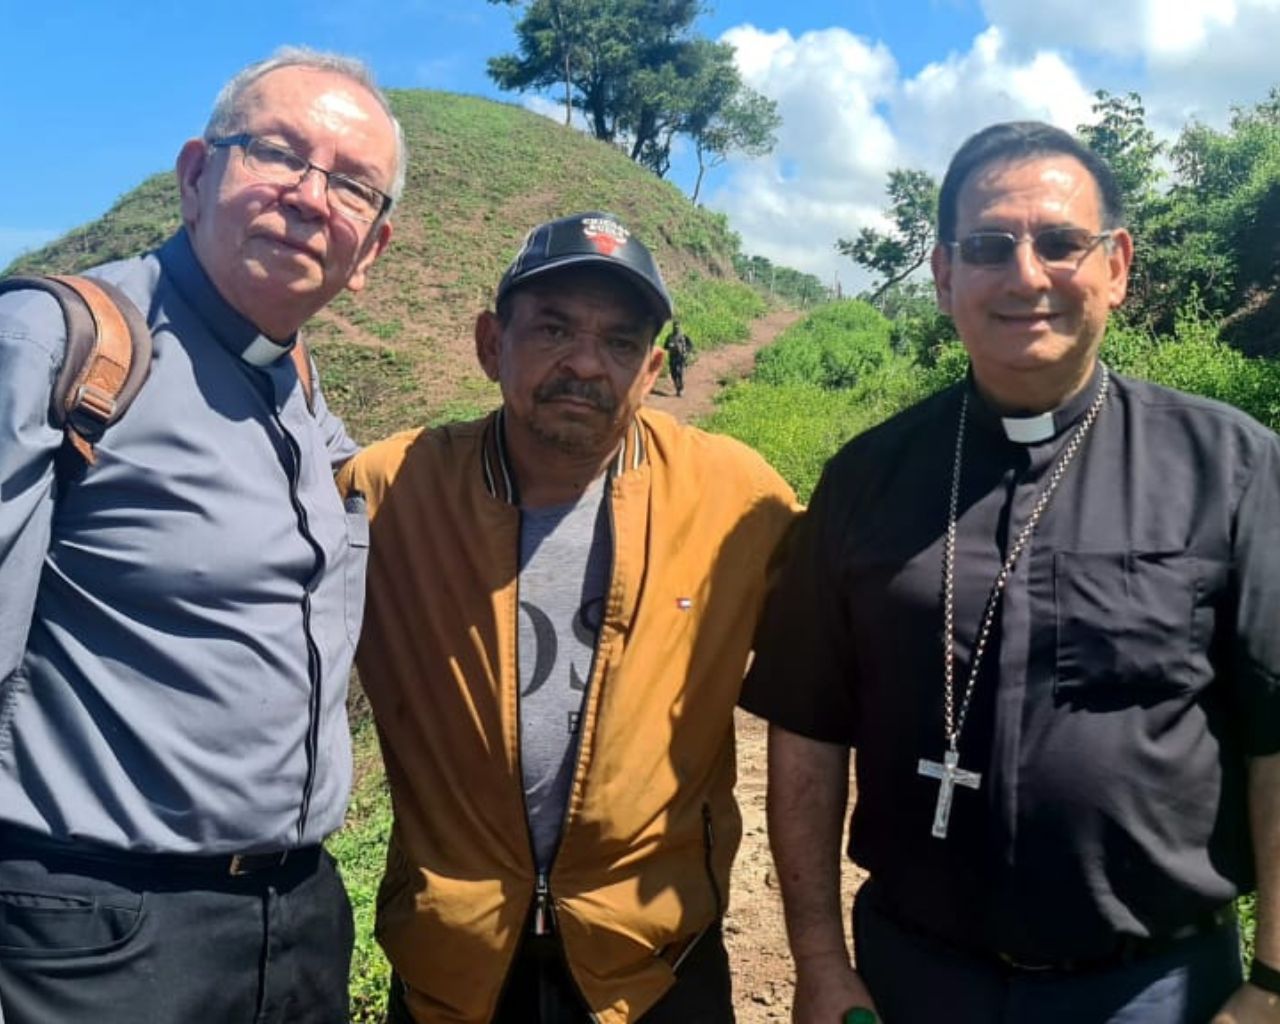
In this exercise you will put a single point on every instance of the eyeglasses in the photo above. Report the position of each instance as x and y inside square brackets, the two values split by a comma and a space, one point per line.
[1057, 248]
[282, 166]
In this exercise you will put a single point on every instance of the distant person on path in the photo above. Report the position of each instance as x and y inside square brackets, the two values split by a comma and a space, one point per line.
[679, 347]
[1042, 606]
[561, 603]
[178, 621]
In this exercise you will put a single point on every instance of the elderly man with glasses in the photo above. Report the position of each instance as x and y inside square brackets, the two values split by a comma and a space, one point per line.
[179, 619]
[1042, 606]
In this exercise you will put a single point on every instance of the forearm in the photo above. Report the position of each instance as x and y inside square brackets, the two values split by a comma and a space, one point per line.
[1264, 819]
[808, 795]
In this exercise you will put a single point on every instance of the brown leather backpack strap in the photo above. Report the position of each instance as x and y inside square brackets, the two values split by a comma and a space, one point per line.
[107, 357]
[301, 356]
[95, 390]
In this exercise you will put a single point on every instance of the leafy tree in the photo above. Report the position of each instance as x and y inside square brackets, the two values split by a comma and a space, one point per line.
[1121, 137]
[899, 252]
[640, 76]
[783, 282]
[724, 116]
[590, 48]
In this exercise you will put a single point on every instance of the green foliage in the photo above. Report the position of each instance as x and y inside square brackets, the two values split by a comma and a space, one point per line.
[918, 325]
[1212, 226]
[374, 387]
[1247, 907]
[827, 378]
[1121, 137]
[716, 312]
[744, 122]
[782, 282]
[833, 348]
[640, 76]
[1195, 359]
[839, 372]
[898, 253]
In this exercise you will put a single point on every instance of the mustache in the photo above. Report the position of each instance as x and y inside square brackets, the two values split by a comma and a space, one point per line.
[585, 390]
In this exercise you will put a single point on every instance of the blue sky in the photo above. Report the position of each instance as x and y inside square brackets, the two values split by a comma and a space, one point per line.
[94, 96]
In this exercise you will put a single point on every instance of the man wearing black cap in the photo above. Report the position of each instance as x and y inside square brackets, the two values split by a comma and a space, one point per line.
[561, 603]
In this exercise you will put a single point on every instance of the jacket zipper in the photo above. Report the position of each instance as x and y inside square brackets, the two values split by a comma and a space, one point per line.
[543, 910]
[544, 904]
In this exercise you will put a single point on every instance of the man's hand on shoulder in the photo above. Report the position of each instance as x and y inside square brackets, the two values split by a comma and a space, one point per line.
[827, 987]
[1250, 1005]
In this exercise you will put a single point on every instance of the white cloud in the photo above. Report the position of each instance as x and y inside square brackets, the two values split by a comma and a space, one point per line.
[826, 177]
[1187, 58]
[849, 118]
[1147, 27]
[948, 101]
[1235, 64]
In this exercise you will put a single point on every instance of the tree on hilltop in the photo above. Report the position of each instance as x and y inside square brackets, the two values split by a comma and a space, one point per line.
[640, 76]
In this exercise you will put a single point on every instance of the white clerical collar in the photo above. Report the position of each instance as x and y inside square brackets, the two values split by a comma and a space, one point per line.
[262, 351]
[1029, 429]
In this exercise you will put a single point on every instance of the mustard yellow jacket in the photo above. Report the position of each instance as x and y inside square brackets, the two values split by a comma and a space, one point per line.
[651, 828]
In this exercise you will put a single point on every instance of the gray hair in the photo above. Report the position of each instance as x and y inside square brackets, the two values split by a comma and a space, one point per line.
[226, 116]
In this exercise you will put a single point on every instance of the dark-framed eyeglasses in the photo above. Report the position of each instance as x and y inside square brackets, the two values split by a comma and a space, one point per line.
[1056, 248]
[280, 165]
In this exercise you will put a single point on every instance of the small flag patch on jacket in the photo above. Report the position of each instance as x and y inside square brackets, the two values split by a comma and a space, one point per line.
[684, 603]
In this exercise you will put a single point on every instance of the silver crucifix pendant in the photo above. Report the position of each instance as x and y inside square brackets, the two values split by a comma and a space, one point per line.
[950, 775]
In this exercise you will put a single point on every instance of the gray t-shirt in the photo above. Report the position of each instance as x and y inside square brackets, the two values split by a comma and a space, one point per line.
[564, 572]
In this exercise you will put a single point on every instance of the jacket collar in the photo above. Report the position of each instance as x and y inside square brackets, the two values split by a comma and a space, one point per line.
[500, 478]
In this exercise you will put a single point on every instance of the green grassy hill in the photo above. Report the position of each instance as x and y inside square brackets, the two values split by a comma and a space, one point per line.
[480, 175]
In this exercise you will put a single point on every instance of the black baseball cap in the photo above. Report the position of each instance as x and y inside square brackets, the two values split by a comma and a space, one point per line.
[598, 239]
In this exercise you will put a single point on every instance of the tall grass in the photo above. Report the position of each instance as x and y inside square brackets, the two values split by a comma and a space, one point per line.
[715, 312]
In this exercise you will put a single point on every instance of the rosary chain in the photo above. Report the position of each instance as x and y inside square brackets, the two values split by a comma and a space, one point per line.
[954, 724]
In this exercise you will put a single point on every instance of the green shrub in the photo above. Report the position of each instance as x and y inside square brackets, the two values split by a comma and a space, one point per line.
[715, 313]
[833, 348]
[835, 374]
[797, 426]
[1194, 359]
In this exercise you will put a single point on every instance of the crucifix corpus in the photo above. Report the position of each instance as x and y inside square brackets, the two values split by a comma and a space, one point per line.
[950, 775]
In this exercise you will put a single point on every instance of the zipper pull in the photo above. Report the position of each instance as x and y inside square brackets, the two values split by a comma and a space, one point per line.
[542, 916]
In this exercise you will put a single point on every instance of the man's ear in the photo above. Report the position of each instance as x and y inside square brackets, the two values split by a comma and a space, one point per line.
[373, 248]
[193, 160]
[488, 343]
[652, 367]
[1119, 260]
[940, 263]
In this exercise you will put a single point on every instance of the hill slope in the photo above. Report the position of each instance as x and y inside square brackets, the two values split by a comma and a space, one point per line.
[480, 175]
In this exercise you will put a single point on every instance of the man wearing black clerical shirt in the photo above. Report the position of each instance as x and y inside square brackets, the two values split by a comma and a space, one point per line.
[1044, 608]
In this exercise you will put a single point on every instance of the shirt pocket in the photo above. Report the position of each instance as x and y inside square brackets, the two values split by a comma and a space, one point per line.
[1126, 625]
[357, 560]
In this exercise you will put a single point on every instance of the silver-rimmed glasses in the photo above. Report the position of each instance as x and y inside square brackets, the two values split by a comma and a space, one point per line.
[270, 161]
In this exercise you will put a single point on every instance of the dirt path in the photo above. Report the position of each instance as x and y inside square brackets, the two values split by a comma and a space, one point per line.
[763, 979]
[710, 371]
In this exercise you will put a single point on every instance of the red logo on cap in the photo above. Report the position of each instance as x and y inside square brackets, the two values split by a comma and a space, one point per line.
[606, 235]
[603, 243]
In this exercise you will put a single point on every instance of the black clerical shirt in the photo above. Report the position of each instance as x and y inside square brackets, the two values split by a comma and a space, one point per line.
[1133, 667]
